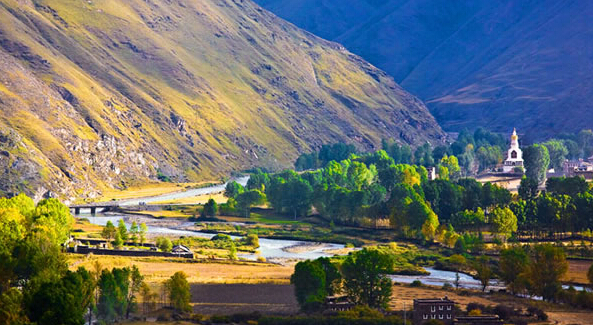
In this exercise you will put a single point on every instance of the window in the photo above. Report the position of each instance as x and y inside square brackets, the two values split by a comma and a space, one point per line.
[448, 307]
[425, 316]
[433, 308]
[441, 316]
[513, 154]
[440, 307]
[433, 316]
[448, 316]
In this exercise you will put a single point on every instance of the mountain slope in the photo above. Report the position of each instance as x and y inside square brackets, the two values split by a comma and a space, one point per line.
[101, 93]
[496, 64]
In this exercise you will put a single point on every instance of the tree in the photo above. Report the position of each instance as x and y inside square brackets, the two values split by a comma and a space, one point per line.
[537, 160]
[123, 231]
[513, 265]
[164, 244]
[483, 271]
[134, 231]
[365, 278]
[452, 165]
[233, 189]
[557, 152]
[309, 285]
[504, 221]
[61, 302]
[178, 291]
[248, 199]
[143, 231]
[54, 219]
[210, 208]
[117, 241]
[547, 268]
[135, 282]
[108, 231]
[252, 240]
[528, 188]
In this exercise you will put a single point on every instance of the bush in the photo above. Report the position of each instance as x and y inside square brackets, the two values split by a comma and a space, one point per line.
[447, 286]
[220, 319]
[416, 283]
[244, 318]
[504, 312]
[261, 259]
[221, 237]
[473, 306]
[540, 314]
[252, 240]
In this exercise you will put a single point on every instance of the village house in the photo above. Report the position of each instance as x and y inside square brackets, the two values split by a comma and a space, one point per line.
[442, 309]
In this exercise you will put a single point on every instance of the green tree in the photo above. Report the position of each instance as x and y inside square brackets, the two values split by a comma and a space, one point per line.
[117, 241]
[452, 165]
[61, 302]
[164, 244]
[557, 152]
[547, 268]
[233, 189]
[248, 199]
[252, 240]
[179, 291]
[210, 208]
[528, 188]
[483, 271]
[309, 284]
[123, 231]
[537, 160]
[134, 232]
[504, 221]
[143, 231]
[54, 219]
[365, 278]
[108, 231]
[513, 265]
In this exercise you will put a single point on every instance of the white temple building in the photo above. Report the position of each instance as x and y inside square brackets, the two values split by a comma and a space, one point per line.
[514, 155]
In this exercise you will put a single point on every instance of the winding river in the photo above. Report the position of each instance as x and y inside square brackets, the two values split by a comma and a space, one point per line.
[272, 249]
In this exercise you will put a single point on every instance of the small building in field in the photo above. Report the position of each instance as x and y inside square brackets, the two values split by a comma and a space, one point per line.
[514, 159]
[478, 320]
[182, 251]
[442, 309]
[338, 303]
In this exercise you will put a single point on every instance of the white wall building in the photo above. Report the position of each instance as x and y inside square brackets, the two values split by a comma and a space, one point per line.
[514, 155]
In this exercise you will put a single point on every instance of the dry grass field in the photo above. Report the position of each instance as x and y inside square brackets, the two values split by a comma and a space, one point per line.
[157, 270]
[148, 190]
[199, 199]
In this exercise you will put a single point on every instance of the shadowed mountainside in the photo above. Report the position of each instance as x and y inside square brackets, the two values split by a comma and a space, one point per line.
[496, 64]
[102, 93]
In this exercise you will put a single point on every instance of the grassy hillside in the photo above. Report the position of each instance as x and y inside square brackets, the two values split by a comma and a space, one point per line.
[496, 64]
[104, 93]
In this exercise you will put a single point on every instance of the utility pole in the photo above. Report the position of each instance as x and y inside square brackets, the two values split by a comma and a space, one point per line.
[404, 313]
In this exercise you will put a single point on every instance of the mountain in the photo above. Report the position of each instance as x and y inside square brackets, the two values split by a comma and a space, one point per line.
[497, 64]
[99, 94]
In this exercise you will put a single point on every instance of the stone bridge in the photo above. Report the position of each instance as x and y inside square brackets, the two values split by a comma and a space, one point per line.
[93, 207]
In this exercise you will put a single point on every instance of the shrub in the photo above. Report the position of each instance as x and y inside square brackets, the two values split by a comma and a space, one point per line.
[261, 259]
[504, 312]
[221, 237]
[447, 286]
[416, 283]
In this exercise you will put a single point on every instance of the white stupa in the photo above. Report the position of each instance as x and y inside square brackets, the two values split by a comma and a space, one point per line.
[514, 155]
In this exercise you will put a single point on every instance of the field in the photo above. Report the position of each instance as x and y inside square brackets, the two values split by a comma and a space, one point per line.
[157, 270]
[148, 190]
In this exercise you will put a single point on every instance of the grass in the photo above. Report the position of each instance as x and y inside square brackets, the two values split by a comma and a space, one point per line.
[156, 269]
[148, 190]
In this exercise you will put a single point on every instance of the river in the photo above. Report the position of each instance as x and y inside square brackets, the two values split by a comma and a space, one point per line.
[183, 194]
[271, 249]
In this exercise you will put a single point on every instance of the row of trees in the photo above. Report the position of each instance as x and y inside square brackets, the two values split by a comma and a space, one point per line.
[361, 276]
[566, 205]
[136, 234]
